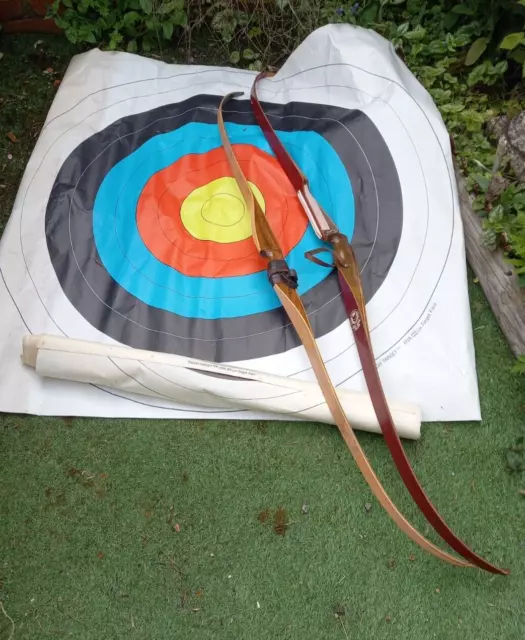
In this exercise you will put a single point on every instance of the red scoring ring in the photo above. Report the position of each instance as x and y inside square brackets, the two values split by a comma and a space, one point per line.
[161, 229]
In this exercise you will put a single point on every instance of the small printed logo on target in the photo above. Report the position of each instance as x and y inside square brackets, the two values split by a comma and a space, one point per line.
[355, 320]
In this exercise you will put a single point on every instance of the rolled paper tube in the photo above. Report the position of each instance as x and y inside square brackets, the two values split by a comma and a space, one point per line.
[203, 384]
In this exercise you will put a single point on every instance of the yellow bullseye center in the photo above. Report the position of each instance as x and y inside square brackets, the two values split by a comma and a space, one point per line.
[217, 212]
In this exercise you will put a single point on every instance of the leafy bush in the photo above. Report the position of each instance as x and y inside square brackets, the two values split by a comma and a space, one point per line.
[130, 24]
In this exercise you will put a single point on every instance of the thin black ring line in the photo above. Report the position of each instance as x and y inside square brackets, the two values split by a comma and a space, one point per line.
[168, 397]
[398, 84]
[157, 393]
[216, 224]
[220, 70]
[178, 385]
[150, 124]
[29, 186]
[164, 287]
[216, 416]
[44, 157]
[211, 410]
[216, 395]
[214, 259]
[162, 395]
[170, 240]
[214, 410]
[351, 346]
[175, 75]
[442, 152]
[134, 267]
[120, 138]
[81, 272]
[281, 412]
[284, 218]
[14, 302]
[95, 386]
[240, 72]
[118, 240]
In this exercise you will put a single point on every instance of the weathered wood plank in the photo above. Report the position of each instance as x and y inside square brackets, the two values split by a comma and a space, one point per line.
[499, 283]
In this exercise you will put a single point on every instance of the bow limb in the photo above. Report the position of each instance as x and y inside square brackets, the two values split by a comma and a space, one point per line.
[268, 246]
[354, 301]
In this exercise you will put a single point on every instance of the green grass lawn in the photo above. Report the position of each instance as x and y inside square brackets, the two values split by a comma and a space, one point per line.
[185, 529]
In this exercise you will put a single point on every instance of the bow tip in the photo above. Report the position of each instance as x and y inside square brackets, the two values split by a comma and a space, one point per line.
[236, 94]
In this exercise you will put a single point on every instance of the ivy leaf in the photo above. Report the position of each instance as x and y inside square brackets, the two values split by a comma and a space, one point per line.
[477, 49]
[369, 13]
[179, 18]
[248, 54]
[450, 20]
[168, 7]
[146, 6]
[500, 67]
[235, 56]
[518, 55]
[130, 18]
[115, 40]
[463, 10]
[512, 40]
[72, 34]
[416, 34]
[167, 30]
[483, 182]
[132, 46]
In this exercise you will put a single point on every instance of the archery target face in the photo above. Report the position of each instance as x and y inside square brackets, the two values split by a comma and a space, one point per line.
[150, 239]
[129, 226]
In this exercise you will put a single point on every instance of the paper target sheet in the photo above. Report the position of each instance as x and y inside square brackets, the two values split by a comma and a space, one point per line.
[128, 228]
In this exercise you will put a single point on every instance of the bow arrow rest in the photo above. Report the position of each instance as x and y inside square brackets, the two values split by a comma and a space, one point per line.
[131, 232]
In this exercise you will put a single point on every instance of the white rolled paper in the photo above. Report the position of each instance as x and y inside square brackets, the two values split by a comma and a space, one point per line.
[187, 381]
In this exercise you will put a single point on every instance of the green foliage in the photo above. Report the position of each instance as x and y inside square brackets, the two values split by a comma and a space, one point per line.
[495, 22]
[120, 24]
[519, 366]
[504, 221]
